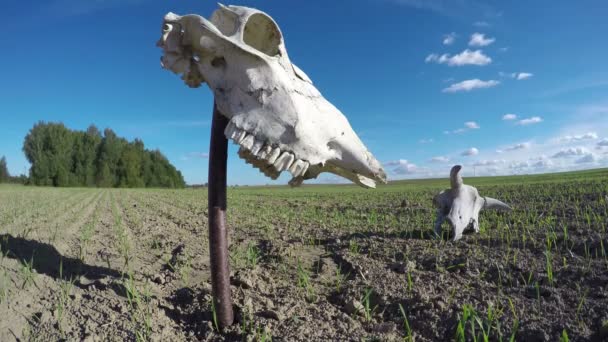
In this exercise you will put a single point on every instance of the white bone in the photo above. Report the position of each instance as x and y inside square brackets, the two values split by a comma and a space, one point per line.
[283, 161]
[265, 151]
[239, 136]
[241, 55]
[231, 130]
[257, 146]
[298, 168]
[248, 141]
[276, 152]
[460, 205]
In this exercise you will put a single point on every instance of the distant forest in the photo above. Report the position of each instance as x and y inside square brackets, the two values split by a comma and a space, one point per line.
[64, 157]
[5, 177]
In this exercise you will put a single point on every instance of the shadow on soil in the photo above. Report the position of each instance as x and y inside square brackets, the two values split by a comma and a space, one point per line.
[45, 259]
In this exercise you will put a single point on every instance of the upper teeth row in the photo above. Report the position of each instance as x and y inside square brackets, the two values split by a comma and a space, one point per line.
[264, 156]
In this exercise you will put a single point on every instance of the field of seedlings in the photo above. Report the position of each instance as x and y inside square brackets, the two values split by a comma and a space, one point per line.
[317, 263]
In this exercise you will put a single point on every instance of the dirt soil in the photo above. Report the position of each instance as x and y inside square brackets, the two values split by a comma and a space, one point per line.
[71, 273]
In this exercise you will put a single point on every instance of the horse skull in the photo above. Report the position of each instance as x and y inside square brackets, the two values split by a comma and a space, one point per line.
[460, 205]
[277, 116]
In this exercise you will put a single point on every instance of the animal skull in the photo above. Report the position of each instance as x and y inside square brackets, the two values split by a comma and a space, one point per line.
[461, 204]
[277, 116]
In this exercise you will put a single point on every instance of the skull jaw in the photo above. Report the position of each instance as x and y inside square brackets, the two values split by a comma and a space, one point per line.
[459, 226]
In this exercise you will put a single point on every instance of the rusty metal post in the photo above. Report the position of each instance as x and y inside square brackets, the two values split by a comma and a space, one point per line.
[218, 234]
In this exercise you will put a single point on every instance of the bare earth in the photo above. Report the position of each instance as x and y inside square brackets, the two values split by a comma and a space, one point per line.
[310, 264]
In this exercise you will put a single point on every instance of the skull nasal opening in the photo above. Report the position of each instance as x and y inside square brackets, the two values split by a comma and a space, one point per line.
[262, 34]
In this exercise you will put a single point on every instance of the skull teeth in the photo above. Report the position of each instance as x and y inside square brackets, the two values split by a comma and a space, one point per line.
[284, 161]
[298, 168]
[271, 161]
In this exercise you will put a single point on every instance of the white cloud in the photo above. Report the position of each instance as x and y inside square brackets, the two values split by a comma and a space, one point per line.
[489, 162]
[572, 151]
[586, 136]
[449, 38]
[541, 162]
[521, 146]
[469, 85]
[470, 152]
[440, 159]
[479, 39]
[425, 141]
[587, 158]
[523, 76]
[516, 75]
[431, 58]
[466, 57]
[530, 121]
[603, 143]
[198, 154]
[403, 167]
[471, 125]
[538, 164]
[508, 117]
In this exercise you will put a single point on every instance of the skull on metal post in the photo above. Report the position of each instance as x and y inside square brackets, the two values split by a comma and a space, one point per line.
[277, 116]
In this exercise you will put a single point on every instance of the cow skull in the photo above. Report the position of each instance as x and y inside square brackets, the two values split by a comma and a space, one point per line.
[460, 205]
[277, 116]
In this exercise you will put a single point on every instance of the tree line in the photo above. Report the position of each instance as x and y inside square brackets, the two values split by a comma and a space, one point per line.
[5, 176]
[63, 157]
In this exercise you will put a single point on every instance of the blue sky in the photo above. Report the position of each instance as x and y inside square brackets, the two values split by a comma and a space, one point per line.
[501, 87]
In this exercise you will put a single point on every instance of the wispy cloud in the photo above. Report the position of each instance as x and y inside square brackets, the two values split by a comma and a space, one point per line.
[479, 39]
[570, 86]
[588, 158]
[195, 155]
[469, 85]
[493, 162]
[603, 143]
[469, 125]
[523, 76]
[520, 76]
[520, 146]
[402, 167]
[509, 117]
[569, 152]
[449, 38]
[426, 141]
[530, 121]
[481, 24]
[439, 159]
[466, 57]
[586, 136]
[473, 151]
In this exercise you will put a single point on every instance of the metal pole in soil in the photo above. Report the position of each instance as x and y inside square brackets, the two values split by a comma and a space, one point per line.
[218, 234]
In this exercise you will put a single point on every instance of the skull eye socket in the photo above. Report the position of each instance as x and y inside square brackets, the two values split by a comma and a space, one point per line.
[262, 34]
[167, 27]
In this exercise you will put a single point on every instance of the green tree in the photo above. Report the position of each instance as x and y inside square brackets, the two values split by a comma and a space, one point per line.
[62, 157]
[4, 175]
[48, 147]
